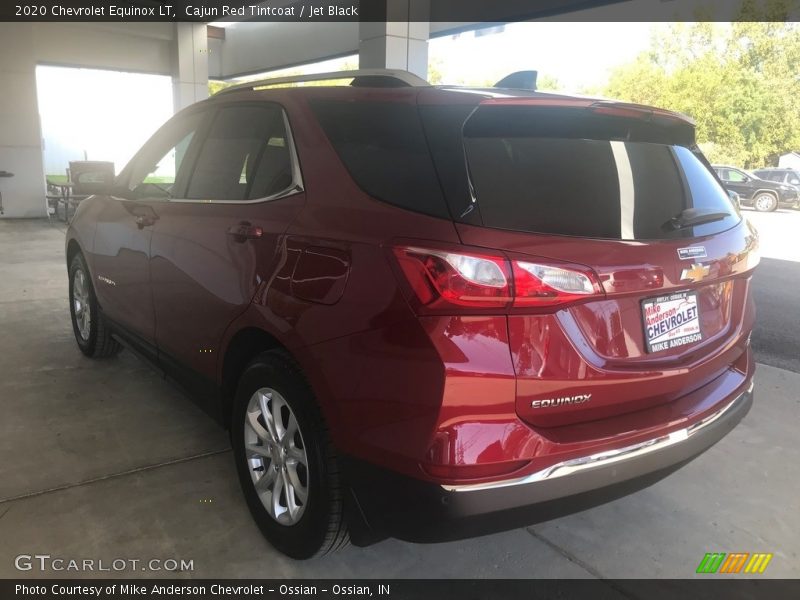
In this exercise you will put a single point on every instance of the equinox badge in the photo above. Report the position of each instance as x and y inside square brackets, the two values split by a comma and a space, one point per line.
[551, 402]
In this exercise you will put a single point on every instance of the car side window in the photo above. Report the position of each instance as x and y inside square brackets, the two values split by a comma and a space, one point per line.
[246, 155]
[158, 169]
[735, 176]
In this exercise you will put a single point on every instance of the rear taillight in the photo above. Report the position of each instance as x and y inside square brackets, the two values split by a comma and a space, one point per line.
[440, 278]
[444, 280]
[545, 285]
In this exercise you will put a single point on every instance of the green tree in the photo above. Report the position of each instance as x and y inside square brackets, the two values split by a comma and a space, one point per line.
[547, 83]
[738, 81]
[215, 86]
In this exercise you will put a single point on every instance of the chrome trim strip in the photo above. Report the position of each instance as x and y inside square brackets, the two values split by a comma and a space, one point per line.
[600, 459]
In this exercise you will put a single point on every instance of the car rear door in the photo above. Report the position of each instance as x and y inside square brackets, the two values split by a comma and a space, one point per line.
[215, 243]
[738, 182]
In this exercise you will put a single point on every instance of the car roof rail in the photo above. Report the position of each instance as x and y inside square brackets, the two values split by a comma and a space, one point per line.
[360, 77]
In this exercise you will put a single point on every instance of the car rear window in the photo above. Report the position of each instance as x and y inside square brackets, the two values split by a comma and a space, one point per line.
[587, 176]
[383, 146]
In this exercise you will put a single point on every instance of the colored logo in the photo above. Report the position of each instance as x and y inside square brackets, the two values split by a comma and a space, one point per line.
[735, 562]
[697, 273]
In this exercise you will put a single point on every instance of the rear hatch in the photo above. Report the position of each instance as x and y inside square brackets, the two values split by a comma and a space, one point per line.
[617, 199]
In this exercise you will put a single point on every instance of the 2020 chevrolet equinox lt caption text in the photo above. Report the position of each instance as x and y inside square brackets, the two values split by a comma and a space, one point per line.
[422, 311]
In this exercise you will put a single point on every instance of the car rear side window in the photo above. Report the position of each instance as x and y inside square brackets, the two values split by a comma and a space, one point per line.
[600, 188]
[768, 175]
[383, 147]
[246, 155]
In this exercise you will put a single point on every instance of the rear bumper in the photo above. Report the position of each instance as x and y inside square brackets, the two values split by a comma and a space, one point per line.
[423, 511]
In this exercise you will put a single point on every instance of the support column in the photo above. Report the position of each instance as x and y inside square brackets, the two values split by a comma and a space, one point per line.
[20, 130]
[399, 43]
[190, 73]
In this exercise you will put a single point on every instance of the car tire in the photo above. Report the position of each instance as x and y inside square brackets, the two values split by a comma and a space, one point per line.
[765, 202]
[91, 330]
[286, 464]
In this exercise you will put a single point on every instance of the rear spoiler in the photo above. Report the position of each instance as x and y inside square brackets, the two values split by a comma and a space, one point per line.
[611, 108]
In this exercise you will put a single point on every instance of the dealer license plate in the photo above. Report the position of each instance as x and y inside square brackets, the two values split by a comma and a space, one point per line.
[670, 321]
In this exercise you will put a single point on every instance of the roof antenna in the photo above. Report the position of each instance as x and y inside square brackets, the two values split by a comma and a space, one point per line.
[519, 80]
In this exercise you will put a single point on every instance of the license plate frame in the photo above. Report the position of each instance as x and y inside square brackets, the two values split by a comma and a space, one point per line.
[671, 320]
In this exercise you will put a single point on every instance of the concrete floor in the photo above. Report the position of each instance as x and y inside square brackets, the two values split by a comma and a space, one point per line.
[105, 460]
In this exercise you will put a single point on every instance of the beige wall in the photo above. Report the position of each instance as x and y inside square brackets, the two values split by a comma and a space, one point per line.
[20, 138]
[178, 50]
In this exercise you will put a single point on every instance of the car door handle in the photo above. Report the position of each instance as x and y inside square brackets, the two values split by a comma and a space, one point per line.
[245, 231]
[143, 221]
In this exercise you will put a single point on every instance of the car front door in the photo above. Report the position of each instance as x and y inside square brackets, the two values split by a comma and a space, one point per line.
[738, 181]
[123, 235]
[215, 244]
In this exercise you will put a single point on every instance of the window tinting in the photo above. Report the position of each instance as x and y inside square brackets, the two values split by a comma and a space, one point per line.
[156, 169]
[383, 146]
[244, 156]
[591, 188]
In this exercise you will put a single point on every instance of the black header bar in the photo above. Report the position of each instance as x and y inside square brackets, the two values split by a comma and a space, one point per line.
[711, 588]
[483, 11]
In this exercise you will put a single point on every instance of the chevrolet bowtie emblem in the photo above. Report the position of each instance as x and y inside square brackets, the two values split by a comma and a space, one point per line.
[696, 273]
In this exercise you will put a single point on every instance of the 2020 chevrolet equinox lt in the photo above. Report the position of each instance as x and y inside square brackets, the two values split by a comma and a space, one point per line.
[427, 312]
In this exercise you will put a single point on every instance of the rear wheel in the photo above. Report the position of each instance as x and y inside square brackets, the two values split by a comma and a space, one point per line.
[89, 326]
[765, 202]
[285, 460]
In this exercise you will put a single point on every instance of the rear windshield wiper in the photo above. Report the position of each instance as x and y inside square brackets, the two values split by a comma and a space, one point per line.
[693, 216]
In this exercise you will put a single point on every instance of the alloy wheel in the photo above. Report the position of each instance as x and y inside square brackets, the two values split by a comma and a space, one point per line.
[764, 202]
[80, 304]
[276, 456]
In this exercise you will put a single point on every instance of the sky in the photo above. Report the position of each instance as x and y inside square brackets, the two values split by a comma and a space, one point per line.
[98, 115]
[580, 55]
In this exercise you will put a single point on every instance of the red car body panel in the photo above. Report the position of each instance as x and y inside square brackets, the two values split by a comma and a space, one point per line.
[439, 398]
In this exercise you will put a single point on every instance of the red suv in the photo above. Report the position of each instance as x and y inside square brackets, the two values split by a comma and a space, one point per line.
[427, 312]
